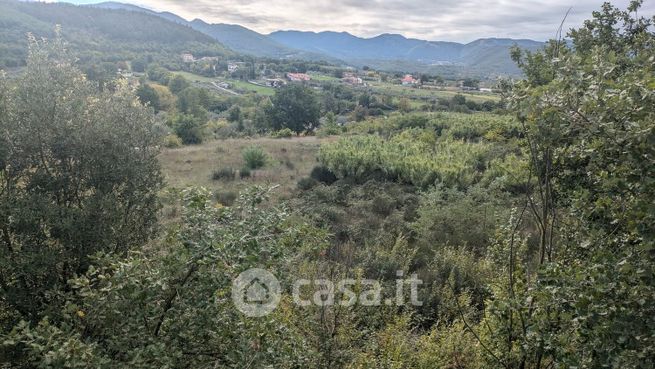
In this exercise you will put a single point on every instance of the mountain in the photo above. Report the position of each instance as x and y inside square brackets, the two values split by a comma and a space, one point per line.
[349, 47]
[105, 24]
[133, 8]
[484, 55]
[243, 40]
[237, 38]
[98, 34]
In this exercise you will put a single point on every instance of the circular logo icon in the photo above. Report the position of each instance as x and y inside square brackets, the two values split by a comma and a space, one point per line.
[256, 292]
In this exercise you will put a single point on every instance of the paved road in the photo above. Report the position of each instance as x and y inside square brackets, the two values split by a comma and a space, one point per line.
[224, 89]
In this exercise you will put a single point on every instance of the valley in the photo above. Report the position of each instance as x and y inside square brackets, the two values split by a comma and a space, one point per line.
[180, 193]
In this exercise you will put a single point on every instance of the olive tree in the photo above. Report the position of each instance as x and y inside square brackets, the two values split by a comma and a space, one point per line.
[78, 175]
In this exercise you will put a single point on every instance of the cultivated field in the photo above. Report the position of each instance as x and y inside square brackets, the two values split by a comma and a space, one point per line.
[428, 93]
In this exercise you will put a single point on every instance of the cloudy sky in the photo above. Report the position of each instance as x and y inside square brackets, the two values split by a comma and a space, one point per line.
[448, 20]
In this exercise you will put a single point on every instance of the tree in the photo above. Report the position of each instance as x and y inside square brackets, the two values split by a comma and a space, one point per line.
[359, 113]
[79, 175]
[165, 98]
[159, 74]
[139, 65]
[471, 83]
[234, 114]
[103, 73]
[194, 101]
[261, 121]
[585, 297]
[404, 105]
[295, 107]
[188, 128]
[177, 84]
[148, 96]
[364, 100]
[170, 306]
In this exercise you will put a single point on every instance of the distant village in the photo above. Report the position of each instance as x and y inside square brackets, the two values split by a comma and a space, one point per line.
[270, 78]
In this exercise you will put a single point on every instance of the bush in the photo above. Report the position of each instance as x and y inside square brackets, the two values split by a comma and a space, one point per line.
[224, 130]
[307, 183]
[225, 174]
[88, 185]
[245, 172]
[188, 128]
[329, 130]
[172, 141]
[289, 164]
[254, 157]
[322, 174]
[283, 133]
[383, 205]
[226, 198]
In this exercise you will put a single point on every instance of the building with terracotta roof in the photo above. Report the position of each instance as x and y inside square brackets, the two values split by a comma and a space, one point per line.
[298, 77]
[409, 80]
[352, 79]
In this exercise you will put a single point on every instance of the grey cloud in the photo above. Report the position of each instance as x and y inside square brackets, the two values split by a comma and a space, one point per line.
[448, 20]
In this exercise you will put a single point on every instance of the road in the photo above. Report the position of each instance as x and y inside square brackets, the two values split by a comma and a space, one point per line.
[224, 89]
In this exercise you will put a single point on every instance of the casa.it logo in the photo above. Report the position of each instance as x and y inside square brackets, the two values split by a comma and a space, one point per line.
[256, 292]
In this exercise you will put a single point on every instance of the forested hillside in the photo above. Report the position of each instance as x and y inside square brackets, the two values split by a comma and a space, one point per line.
[234, 36]
[97, 34]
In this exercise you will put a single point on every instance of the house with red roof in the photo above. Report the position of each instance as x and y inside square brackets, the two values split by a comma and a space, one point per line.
[351, 79]
[409, 80]
[298, 77]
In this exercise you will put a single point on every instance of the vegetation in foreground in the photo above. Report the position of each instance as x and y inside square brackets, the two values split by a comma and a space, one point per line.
[533, 234]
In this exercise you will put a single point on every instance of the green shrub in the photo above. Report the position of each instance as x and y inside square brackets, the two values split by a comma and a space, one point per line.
[307, 183]
[329, 130]
[245, 172]
[289, 164]
[172, 141]
[224, 174]
[254, 157]
[323, 174]
[383, 205]
[225, 198]
[283, 133]
[188, 128]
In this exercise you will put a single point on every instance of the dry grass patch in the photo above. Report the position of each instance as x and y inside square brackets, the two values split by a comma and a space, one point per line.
[289, 160]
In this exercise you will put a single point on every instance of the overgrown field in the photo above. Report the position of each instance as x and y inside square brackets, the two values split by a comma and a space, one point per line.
[210, 164]
[517, 234]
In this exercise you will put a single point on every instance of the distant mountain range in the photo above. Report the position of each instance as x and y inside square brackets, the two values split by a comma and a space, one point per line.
[491, 54]
[391, 52]
[387, 51]
[235, 37]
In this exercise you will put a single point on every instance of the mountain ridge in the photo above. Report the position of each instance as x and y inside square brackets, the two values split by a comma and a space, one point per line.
[395, 47]
[92, 32]
[489, 56]
[234, 36]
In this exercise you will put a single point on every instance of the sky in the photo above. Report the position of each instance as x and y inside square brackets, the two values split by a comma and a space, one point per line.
[434, 20]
